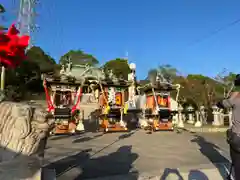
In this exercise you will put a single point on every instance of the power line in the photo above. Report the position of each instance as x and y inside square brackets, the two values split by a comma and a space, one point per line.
[215, 32]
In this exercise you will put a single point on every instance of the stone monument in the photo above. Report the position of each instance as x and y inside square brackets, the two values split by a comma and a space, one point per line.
[23, 135]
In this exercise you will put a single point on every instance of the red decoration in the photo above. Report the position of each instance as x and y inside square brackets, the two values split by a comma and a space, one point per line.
[12, 47]
[48, 98]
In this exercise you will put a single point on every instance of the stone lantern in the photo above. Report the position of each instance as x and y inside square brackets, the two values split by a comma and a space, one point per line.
[216, 116]
[180, 117]
[190, 110]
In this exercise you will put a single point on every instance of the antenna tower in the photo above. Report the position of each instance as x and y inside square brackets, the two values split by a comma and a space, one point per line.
[26, 17]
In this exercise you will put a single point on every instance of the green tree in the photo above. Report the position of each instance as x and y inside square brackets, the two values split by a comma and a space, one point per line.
[201, 90]
[195, 88]
[78, 57]
[152, 73]
[44, 61]
[23, 80]
[228, 81]
[167, 71]
[2, 10]
[26, 78]
[119, 67]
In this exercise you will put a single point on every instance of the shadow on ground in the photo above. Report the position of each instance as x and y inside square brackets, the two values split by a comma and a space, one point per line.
[86, 166]
[63, 165]
[59, 137]
[211, 151]
[175, 174]
[86, 138]
[15, 165]
[117, 163]
[197, 175]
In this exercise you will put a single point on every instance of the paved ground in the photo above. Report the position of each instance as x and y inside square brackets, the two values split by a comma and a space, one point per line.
[94, 155]
[138, 156]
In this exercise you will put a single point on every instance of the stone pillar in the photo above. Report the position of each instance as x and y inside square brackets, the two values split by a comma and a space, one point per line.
[143, 122]
[198, 119]
[190, 115]
[175, 117]
[201, 117]
[80, 125]
[122, 123]
[204, 115]
[184, 117]
[221, 116]
[180, 117]
[216, 116]
[23, 137]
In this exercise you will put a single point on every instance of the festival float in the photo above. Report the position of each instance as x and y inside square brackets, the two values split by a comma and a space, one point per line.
[116, 102]
[112, 95]
[158, 111]
[63, 95]
[111, 102]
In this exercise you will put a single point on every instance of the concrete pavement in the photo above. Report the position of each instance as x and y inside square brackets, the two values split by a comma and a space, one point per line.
[138, 155]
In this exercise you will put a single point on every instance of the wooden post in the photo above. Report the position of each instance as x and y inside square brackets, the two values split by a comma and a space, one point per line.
[2, 78]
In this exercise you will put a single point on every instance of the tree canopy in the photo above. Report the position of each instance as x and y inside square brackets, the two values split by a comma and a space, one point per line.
[2, 10]
[196, 88]
[78, 57]
[167, 71]
[26, 78]
[119, 67]
[44, 61]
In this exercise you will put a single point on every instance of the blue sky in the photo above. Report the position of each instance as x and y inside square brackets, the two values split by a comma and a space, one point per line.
[153, 32]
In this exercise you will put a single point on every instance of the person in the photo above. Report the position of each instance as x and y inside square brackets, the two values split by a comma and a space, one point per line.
[233, 134]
